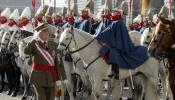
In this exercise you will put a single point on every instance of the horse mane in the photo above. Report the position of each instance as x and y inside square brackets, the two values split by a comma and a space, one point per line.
[64, 34]
[85, 34]
[12, 37]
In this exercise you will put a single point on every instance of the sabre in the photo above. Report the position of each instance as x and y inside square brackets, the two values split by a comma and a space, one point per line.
[132, 83]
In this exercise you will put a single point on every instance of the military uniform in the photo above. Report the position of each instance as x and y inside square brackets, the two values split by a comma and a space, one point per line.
[43, 74]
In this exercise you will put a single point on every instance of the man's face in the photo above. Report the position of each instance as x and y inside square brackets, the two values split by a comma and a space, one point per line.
[44, 35]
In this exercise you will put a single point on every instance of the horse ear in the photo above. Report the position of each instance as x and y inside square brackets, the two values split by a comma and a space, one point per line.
[163, 20]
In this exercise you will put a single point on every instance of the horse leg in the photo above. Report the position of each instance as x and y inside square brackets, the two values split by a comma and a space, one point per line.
[17, 81]
[33, 97]
[172, 80]
[151, 90]
[10, 76]
[114, 89]
[138, 92]
[68, 69]
[26, 85]
[2, 80]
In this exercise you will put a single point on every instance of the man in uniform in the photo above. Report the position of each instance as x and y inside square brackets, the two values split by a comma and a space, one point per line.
[45, 66]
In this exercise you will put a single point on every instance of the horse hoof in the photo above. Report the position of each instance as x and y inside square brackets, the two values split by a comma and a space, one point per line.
[23, 98]
[14, 94]
[9, 92]
[1, 90]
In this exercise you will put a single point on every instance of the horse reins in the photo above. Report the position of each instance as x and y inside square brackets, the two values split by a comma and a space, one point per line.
[79, 49]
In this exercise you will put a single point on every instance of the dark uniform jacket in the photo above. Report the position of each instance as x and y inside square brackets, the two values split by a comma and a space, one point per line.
[43, 78]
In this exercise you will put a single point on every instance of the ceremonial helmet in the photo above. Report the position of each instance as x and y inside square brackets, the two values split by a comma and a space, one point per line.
[116, 14]
[106, 14]
[5, 15]
[26, 13]
[57, 18]
[41, 12]
[85, 13]
[48, 15]
[90, 6]
[14, 20]
[24, 22]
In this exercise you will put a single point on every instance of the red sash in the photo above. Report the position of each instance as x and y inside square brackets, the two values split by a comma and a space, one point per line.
[46, 69]
[46, 55]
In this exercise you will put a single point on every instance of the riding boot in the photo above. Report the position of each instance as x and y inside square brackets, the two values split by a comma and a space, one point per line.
[114, 71]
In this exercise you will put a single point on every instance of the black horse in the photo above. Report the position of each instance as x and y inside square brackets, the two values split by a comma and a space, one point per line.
[8, 67]
[25, 68]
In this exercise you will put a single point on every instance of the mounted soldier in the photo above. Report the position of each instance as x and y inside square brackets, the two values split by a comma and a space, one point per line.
[3, 20]
[4, 29]
[13, 23]
[69, 18]
[6, 36]
[58, 19]
[166, 12]
[86, 21]
[39, 16]
[48, 15]
[105, 18]
[46, 69]
[24, 20]
[118, 50]
[120, 12]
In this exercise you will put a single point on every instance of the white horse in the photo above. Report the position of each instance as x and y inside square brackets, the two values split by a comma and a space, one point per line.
[145, 40]
[86, 57]
[98, 70]
[150, 71]
[147, 74]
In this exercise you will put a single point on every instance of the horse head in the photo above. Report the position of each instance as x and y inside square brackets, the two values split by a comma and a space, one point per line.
[14, 41]
[146, 37]
[4, 41]
[58, 34]
[65, 39]
[163, 38]
[135, 37]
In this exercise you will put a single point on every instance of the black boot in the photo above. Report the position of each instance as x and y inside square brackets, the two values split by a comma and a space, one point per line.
[114, 72]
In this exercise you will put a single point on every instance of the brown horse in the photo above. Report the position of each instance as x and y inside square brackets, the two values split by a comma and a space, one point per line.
[161, 47]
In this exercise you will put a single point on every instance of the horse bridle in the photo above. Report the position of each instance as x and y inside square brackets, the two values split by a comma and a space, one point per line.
[159, 41]
[69, 52]
[73, 38]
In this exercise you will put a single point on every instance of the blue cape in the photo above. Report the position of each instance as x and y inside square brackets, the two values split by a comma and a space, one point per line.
[142, 30]
[66, 25]
[84, 26]
[60, 24]
[102, 26]
[121, 50]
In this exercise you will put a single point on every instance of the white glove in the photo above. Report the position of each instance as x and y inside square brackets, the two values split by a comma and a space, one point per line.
[58, 82]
